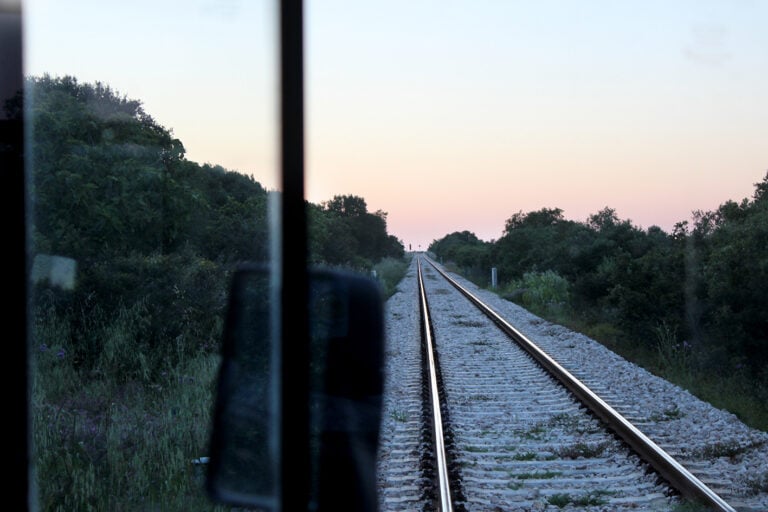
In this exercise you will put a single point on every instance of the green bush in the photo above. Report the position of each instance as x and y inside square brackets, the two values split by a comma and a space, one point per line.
[540, 291]
[390, 271]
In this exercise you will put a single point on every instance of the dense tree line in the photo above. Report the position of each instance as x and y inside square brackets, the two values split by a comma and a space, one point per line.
[150, 230]
[343, 232]
[702, 284]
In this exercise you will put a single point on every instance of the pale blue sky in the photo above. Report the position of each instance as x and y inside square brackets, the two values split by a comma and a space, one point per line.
[452, 115]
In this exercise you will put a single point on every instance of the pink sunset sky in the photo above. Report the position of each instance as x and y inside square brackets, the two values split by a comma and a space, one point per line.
[451, 115]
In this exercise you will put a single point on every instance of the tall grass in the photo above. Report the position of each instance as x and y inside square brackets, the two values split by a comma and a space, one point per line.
[119, 427]
[544, 293]
[390, 271]
[115, 437]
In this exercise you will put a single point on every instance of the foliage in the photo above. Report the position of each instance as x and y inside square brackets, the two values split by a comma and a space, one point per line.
[674, 356]
[465, 252]
[152, 231]
[105, 441]
[735, 277]
[343, 233]
[125, 361]
[690, 303]
[389, 272]
[562, 500]
[540, 291]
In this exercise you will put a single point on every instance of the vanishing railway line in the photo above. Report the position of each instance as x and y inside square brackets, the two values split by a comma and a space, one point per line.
[516, 437]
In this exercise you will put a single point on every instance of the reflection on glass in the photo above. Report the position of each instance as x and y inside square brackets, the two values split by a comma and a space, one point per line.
[346, 383]
[245, 457]
[151, 158]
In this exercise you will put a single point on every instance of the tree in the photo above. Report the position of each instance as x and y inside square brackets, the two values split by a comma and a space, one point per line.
[346, 205]
[540, 218]
[352, 236]
[761, 189]
[603, 219]
[735, 277]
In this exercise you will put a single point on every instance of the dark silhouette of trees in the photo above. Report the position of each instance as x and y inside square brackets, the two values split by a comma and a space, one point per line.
[343, 232]
[704, 283]
[151, 231]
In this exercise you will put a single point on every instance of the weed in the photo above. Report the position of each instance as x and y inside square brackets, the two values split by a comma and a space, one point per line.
[674, 356]
[574, 423]
[728, 449]
[592, 499]
[672, 413]
[468, 323]
[399, 416]
[583, 450]
[559, 500]
[535, 432]
[477, 449]
[562, 500]
[524, 456]
[537, 475]
[562, 420]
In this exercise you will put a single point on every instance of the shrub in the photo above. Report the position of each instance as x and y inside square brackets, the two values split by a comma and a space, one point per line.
[541, 291]
[389, 272]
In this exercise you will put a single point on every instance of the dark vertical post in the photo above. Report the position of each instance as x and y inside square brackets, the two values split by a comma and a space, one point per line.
[295, 459]
[15, 269]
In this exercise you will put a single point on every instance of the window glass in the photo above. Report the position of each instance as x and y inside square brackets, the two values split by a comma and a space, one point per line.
[628, 136]
[152, 168]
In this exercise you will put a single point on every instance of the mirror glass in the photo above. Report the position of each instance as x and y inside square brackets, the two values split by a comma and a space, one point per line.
[346, 381]
[246, 442]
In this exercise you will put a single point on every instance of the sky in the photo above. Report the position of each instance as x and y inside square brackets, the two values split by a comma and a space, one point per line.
[450, 115]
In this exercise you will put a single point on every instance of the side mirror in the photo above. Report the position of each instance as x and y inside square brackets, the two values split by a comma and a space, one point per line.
[345, 313]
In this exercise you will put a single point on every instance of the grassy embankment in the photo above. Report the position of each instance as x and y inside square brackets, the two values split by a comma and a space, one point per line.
[118, 437]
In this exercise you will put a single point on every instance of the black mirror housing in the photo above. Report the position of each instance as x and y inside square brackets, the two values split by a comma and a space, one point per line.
[346, 319]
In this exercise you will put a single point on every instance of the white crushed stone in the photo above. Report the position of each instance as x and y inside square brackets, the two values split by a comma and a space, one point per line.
[679, 422]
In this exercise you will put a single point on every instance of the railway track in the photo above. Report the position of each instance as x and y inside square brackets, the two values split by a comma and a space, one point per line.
[516, 437]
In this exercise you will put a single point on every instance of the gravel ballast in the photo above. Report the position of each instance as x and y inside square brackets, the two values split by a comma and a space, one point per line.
[727, 455]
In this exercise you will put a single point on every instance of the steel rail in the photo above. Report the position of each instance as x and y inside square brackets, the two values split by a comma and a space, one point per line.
[441, 461]
[664, 464]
